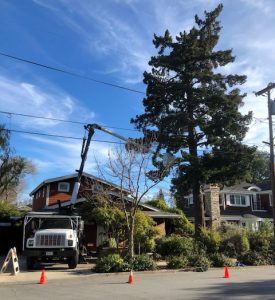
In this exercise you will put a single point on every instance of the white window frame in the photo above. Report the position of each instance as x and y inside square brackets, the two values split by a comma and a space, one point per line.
[63, 190]
[240, 196]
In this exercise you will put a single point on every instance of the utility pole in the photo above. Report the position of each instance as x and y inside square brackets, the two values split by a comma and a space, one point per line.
[271, 112]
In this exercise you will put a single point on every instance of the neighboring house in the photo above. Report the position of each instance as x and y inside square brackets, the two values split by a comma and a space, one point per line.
[51, 192]
[243, 204]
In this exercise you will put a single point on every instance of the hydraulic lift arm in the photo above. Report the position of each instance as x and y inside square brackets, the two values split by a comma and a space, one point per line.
[84, 152]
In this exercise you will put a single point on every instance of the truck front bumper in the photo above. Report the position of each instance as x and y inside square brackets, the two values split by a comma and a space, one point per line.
[50, 253]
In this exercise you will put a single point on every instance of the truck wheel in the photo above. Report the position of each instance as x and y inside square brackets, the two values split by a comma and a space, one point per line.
[73, 261]
[30, 263]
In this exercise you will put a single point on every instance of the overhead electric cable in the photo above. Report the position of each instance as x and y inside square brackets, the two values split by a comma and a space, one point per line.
[59, 120]
[104, 141]
[59, 136]
[70, 73]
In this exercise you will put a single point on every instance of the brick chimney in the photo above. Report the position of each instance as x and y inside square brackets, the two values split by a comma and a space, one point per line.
[212, 205]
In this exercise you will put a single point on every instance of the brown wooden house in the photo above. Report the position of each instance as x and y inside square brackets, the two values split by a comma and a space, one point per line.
[55, 192]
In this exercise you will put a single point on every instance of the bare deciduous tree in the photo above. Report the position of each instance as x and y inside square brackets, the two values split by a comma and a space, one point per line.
[132, 171]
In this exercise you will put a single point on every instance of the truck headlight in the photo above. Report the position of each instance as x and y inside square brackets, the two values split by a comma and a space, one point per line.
[30, 242]
[70, 242]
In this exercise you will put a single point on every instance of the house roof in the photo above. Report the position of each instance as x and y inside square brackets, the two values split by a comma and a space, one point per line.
[154, 213]
[55, 179]
[162, 214]
[243, 188]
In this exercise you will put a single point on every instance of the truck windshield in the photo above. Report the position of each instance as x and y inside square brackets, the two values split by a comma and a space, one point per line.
[56, 224]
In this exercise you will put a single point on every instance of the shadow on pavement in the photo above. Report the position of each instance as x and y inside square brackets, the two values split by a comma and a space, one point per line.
[238, 290]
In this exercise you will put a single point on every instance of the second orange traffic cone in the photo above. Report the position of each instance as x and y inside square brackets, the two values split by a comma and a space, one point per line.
[226, 272]
[43, 279]
[131, 277]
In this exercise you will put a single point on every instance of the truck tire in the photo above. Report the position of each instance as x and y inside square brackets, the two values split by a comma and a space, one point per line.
[30, 261]
[73, 261]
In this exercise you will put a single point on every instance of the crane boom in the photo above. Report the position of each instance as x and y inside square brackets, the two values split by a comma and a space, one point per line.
[84, 152]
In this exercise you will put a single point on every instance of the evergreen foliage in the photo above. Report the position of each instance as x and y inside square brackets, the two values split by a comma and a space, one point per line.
[181, 225]
[13, 168]
[8, 210]
[190, 105]
[175, 245]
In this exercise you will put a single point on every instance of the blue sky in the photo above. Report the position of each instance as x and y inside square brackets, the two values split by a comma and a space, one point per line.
[110, 41]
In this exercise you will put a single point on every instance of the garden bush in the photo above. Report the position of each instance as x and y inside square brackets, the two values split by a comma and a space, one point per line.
[220, 260]
[142, 263]
[255, 258]
[261, 240]
[209, 240]
[175, 246]
[198, 260]
[177, 262]
[234, 241]
[111, 263]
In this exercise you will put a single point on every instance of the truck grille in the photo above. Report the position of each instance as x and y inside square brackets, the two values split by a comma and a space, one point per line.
[50, 240]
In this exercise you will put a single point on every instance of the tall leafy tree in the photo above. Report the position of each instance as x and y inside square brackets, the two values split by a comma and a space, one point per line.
[13, 168]
[260, 169]
[192, 110]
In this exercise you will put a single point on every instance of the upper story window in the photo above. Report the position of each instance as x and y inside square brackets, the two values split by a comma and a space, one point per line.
[63, 186]
[238, 200]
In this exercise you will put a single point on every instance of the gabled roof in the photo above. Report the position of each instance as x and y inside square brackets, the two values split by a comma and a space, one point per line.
[241, 188]
[56, 179]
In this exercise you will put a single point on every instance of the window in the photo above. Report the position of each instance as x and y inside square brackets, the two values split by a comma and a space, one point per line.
[238, 200]
[63, 186]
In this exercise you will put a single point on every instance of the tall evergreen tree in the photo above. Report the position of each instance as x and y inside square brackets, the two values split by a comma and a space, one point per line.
[192, 110]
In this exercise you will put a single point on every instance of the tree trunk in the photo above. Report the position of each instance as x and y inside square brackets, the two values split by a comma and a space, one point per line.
[199, 208]
[131, 236]
[195, 168]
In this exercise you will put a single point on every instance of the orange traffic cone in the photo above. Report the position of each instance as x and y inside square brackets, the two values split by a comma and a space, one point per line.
[226, 273]
[43, 279]
[131, 277]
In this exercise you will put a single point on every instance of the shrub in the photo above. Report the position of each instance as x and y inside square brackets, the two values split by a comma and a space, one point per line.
[209, 240]
[261, 239]
[255, 258]
[175, 246]
[145, 233]
[234, 241]
[8, 210]
[110, 243]
[176, 262]
[220, 260]
[142, 263]
[198, 260]
[111, 263]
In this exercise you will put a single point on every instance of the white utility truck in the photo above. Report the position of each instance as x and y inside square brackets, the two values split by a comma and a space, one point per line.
[49, 236]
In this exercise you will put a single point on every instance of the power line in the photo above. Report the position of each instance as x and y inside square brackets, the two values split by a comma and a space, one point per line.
[59, 136]
[261, 120]
[59, 120]
[205, 151]
[69, 73]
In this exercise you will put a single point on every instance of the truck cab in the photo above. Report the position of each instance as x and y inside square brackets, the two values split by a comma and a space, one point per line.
[52, 237]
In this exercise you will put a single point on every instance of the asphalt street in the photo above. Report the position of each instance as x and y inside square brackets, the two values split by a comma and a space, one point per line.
[244, 283]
